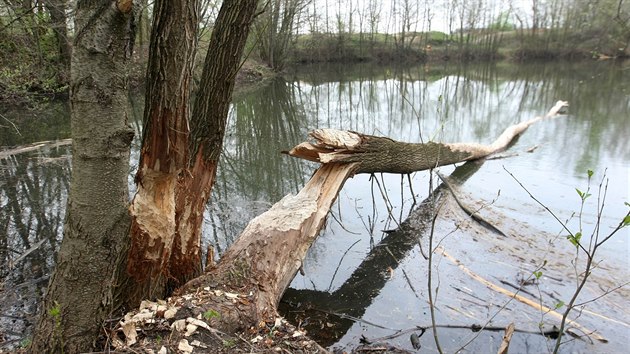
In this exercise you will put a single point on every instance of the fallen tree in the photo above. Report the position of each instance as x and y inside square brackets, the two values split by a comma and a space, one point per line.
[241, 293]
[381, 154]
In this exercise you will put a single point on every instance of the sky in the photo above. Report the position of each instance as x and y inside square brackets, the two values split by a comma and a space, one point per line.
[388, 23]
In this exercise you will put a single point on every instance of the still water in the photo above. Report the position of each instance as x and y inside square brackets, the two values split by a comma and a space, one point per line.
[366, 275]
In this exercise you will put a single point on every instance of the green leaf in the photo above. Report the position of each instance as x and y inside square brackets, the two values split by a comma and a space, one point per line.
[626, 220]
[559, 304]
[538, 274]
[575, 239]
[590, 173]
[55, 311]
[210, 314]
[580, 193]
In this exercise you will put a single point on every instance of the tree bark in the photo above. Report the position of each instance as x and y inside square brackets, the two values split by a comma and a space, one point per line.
[165, 150]
[380, 154]
[81, 291]
[179, 155]
[210, 113]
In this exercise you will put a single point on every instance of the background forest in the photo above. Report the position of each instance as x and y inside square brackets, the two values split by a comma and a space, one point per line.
[36, 36]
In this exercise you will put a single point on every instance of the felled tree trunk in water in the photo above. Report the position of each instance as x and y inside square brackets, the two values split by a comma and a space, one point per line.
[269, 252]
[380, 154]
[82, 290]
[264, 259]
[180, 154]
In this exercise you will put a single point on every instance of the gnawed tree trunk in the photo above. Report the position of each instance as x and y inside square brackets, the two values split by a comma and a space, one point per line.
[82, 290]
[264, 259]
[258, 267]
[165, 146]
[180, 153]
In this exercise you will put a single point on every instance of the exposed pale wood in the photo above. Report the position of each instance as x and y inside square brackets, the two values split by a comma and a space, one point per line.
[34, 146]
[507, 337]
[543, 309]
[380, 154]
[270, 251]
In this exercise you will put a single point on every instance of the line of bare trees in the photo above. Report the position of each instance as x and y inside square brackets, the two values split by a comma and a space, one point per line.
[320, 30]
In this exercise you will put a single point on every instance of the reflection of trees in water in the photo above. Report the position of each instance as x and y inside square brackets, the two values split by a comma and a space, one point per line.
[459, 103]
[253, 174]
[46, 121]
[33, 192]
[352, 298]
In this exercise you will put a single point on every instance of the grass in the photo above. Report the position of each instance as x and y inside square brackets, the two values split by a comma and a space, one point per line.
[481, 44]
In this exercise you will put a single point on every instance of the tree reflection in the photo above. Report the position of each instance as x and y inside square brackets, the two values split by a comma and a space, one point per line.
[33, 192]
[252, 173]
[356, 294]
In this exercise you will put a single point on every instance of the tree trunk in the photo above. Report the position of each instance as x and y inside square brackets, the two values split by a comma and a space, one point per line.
[179, 155]
[165, 150]
[82, 289]
[380, 154]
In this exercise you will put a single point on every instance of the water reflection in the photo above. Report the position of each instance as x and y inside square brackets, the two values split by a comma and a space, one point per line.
[463, 103]
[351, 299]
[252, 173]
[33, 192]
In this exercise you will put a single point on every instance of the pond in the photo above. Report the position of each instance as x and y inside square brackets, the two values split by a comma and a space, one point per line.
[366, 275]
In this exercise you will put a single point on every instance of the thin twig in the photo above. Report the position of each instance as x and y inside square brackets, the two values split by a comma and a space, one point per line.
[14, 126]
[339, 265]
[474, 214]
[430, 272]
[564, 226]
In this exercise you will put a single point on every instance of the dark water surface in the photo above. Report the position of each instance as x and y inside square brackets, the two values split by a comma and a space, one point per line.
[361, 281]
